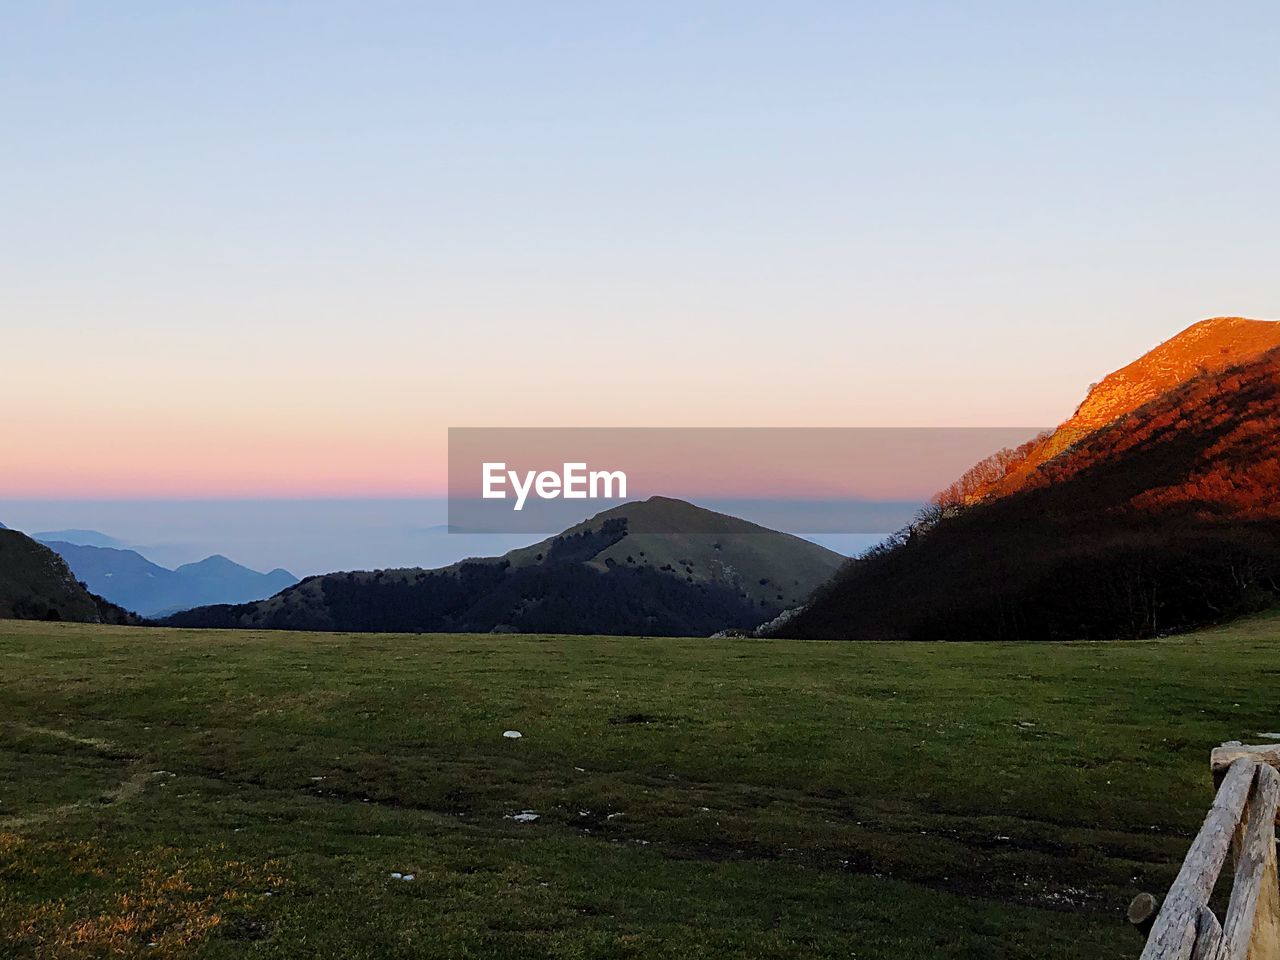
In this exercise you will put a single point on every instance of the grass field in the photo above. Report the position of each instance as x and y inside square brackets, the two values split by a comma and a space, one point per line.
[168, 793]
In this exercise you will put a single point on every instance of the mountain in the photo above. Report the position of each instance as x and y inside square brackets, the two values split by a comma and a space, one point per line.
[216, 579]
[83, 538]
[36, 584]
[130, 579]
[1203, 349]
[1164, 516]
[621, 572]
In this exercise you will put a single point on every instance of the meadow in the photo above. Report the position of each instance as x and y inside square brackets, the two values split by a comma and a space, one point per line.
[216, 794]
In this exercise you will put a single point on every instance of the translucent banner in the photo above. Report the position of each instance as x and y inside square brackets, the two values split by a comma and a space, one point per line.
[837, 480]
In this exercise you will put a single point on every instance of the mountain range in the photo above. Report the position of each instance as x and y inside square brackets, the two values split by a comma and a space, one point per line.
[621, 572]
[1155, 508]
[128, 578]
[83, 538]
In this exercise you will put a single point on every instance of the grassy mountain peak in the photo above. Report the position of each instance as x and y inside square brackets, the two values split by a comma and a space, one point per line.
[701, 546]
[658, 566]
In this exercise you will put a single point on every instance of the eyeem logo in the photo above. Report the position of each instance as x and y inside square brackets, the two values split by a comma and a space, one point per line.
[575, 482]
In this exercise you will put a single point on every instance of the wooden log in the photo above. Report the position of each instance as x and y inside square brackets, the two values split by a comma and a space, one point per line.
[1265, 944]
[1208, 936]
[1173, 935]
[1251, 930]
[1219, 774]
[1222, 757]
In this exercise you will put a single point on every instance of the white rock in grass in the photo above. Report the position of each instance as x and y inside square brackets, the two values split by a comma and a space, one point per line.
[524, 816]
[512, 734]
[395, 876]
[408, 877]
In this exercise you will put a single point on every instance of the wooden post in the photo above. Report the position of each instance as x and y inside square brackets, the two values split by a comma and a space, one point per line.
[1252, 927]
[1265, 943]
[1243, 818]
[1208, 936]
[1174, 933]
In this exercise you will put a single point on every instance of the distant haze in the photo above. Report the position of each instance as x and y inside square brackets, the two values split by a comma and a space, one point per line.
[303, 536]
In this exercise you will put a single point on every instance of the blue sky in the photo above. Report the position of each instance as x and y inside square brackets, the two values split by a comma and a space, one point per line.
[277, 249]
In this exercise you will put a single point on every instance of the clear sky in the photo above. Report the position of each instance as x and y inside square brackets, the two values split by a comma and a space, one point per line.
[278, 248]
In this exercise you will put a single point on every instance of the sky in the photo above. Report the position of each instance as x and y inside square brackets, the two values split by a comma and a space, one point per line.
[277, 250]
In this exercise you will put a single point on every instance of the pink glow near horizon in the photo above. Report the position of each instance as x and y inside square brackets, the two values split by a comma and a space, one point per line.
[227, 463]
[357, 470]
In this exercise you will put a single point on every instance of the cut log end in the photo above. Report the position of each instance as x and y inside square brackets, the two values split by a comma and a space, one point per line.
[1142, 912]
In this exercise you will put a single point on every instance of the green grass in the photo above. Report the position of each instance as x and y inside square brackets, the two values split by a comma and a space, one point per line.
[696, 799]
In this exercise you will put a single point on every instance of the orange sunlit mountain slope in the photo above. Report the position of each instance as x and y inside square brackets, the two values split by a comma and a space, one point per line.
[1205, 348]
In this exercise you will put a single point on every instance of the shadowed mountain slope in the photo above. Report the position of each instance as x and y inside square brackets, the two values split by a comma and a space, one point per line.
[36, 584]
[1166, 517]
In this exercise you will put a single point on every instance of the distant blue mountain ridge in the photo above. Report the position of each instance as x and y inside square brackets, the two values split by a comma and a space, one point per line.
[83, 538]
[127, 578]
